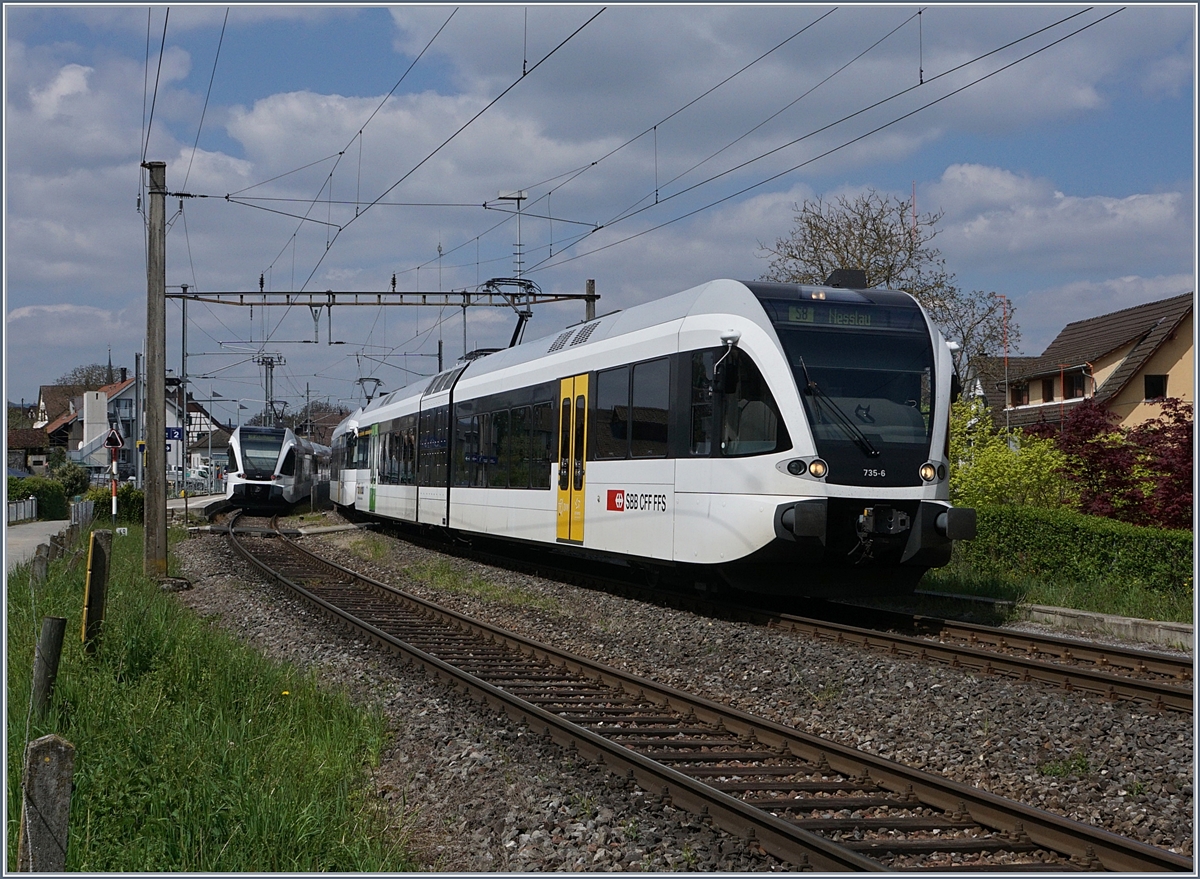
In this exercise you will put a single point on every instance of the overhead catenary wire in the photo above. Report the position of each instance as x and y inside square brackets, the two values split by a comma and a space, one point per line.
[157, 77]
[832, 150]
[457, 132]
[813, 133]
[207, 95]
[571, 176]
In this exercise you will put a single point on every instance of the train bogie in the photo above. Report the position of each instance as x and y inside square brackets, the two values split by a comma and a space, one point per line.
[786, 439]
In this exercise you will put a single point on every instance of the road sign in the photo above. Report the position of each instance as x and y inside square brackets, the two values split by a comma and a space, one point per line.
[113, 440]
[141, 445]
[174, 433]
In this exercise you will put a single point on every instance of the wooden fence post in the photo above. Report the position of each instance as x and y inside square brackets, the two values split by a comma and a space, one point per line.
[45, 805]
[95, 590]
[41, 563]
[45, 662]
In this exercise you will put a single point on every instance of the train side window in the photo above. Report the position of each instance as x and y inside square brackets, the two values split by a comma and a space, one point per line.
[610, 429]
[651, 397]
[231, 459]
[483, 429]
[362, 460]
[750, 423]
[701, 404]
[518, 475]
[543, 445]
[498, 450]
[289, 464]
[466, 444]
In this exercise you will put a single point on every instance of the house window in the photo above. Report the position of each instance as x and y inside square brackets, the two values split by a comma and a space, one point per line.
[1047, 390]
[1156, 387]
[1019, 394]
[1074, 386]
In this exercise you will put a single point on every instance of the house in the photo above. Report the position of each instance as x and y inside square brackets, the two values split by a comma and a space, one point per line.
[28, 450]
[1124, 360]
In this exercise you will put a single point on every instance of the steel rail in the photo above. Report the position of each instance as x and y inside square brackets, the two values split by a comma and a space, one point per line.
[973, 656]
[1157, 694]
[1090, 847]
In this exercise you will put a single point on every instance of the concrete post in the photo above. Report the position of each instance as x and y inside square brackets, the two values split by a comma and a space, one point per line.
[45, 805]
[155, 517]
[45, 663]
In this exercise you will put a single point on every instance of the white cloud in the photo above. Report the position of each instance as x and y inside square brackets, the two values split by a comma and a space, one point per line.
[71, 80]
[1053, 308]
[995, 216]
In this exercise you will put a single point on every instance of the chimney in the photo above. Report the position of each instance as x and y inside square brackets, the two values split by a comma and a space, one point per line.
[124, 373]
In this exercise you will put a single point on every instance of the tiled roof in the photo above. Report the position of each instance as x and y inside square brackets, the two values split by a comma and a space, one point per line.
[28, 438]
[115, 388]
[61, 421]
[1086, 341]
[56, 398]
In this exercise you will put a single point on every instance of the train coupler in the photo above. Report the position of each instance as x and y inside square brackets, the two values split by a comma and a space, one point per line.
[882, 519]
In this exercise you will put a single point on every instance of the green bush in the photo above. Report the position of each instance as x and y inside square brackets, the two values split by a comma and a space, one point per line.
[1062, 546]
[131, 502]
[51, 499]
[990, 466]
[73, 477]
[16, 488]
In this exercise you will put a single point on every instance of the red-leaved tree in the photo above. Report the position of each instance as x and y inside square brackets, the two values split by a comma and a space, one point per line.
[1140, 475]
[1167, 443]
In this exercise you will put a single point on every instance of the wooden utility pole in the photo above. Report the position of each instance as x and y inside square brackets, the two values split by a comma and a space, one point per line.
[155, 554]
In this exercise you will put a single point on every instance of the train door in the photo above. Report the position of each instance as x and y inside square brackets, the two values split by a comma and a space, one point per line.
[374, 478]
[572, 455]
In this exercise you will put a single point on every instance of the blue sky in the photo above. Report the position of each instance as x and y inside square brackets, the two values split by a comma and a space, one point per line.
[1067, 181]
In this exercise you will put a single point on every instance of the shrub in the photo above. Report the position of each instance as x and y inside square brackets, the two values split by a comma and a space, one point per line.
[51, 499]
[991, 466]
[74, 478]
[131, 501]
[1062, 546]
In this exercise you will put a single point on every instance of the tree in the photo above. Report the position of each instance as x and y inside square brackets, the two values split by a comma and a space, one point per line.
[1167, 442]
[989, 466]
[882, 236]
[1141, 475]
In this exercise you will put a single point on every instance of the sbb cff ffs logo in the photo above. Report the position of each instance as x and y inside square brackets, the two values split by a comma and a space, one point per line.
[621, 501]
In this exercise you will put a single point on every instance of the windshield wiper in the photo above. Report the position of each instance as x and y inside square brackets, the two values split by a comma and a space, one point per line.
[839, 417]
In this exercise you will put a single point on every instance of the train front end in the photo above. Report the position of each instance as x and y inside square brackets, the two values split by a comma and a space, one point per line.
[255, 456]
[869, 464]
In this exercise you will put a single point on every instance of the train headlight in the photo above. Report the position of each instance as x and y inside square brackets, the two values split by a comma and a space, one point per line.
[929, 472]
[796, 468]
[818, 468]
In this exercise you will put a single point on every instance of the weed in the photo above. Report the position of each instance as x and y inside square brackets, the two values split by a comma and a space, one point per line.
[448, 577]
[1076, 764]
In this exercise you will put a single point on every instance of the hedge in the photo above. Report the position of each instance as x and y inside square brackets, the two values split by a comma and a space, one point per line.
[1056, 545]
[131, 501]
[51, 498]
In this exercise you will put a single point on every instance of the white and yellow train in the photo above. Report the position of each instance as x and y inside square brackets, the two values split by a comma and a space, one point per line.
[781, 438]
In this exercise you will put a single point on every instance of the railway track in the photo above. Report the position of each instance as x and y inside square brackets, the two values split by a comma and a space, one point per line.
[1157, 680]
[811, 802]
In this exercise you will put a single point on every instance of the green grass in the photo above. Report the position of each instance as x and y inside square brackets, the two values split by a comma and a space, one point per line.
[1076, 764]
[193, 752]
[444, 575]
[1128, 599]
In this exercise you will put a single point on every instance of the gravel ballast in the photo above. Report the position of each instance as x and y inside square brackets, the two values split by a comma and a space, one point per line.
[482, 793]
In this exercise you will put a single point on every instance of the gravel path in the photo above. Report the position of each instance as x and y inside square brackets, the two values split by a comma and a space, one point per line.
[483, 794]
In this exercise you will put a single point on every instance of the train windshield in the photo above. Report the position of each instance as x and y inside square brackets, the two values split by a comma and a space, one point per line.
[864, 371]
[260, 451]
